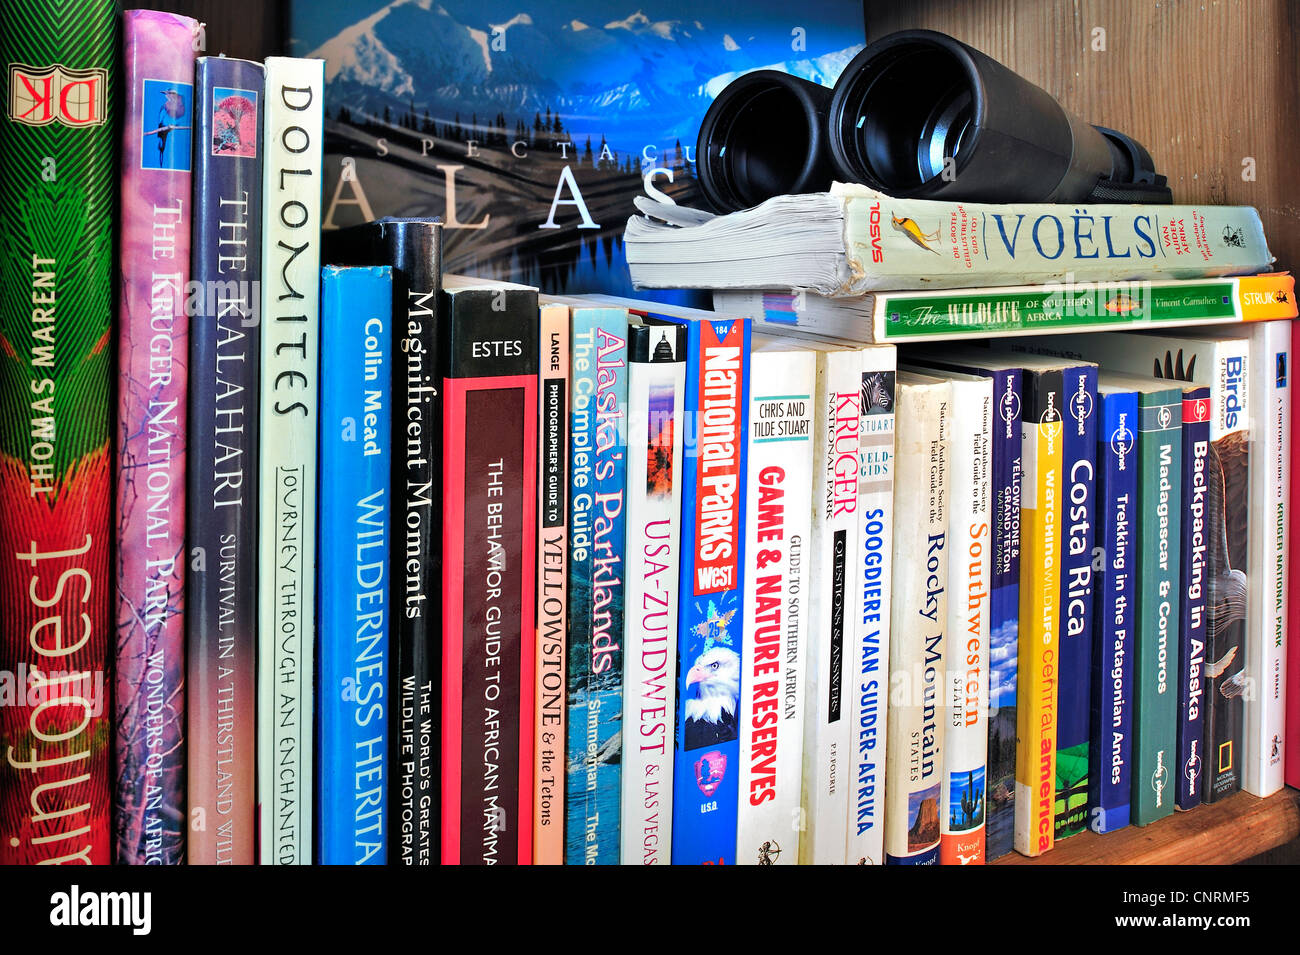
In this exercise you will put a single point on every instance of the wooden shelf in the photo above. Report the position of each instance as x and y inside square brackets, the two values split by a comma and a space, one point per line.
[1227, 832]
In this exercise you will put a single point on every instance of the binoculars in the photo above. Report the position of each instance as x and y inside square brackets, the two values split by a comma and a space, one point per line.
[917, 114]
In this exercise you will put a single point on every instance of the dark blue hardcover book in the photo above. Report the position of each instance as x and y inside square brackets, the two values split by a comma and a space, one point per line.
[1195, 583]
[352, 696]
[1115, 596]
[1078, 509]
[710, 639]
[597, 539]
[221, 503]
[413, 247]
[1004, 597]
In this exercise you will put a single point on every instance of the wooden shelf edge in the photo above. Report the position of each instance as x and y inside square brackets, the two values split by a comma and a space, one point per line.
[1229, 831]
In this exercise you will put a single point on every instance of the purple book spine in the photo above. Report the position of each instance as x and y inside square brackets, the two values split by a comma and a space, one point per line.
[149, 811]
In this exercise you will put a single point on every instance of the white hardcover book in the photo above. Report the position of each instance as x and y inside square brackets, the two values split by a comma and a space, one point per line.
[1270, 468]
[290, 304]
[832, 604]
[656, 387]
[868, 661]
[918, 620]
[778, 524]
[966, 703]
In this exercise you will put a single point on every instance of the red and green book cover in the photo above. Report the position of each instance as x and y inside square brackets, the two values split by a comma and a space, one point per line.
[149, 810]
[58, 178]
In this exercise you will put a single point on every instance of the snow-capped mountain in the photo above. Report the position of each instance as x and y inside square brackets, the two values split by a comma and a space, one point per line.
[635, 79]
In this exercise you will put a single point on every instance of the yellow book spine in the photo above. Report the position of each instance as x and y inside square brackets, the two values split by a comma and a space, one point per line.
[1037, 695]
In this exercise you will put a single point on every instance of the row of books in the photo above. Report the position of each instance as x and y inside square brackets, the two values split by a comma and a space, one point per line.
[409, 567]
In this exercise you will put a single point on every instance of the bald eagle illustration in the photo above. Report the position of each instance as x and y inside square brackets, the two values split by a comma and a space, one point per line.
[711, 707]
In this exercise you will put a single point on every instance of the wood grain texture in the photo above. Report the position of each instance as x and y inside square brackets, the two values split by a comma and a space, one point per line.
[1230, 831]
[1202, 84]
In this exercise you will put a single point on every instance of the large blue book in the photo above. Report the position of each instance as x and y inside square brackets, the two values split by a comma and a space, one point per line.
[1192, 678]
[352, 695]
[1115, 603]
[597, 497]
[710, 639]
[221, 499]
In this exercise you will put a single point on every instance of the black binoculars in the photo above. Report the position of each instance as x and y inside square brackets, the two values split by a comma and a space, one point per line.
[917, 114]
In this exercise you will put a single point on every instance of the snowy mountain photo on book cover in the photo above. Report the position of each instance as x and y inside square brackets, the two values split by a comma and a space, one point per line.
[529, 126]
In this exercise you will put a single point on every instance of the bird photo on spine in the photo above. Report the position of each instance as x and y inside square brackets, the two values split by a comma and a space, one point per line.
[713, 682]
[168, 124]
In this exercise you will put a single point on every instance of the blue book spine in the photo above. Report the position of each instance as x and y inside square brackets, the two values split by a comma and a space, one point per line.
[352, 764]
[1115, 592]
[1079, 456]
[1195, 583]
[1004, 610]
[597, 542]
[706, 766]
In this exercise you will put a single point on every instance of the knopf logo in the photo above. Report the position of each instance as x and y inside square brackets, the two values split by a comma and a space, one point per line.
[39, 96]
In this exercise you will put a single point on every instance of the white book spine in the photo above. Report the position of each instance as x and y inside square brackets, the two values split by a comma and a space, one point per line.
[966, 710]
[290, 313]
[778, 526]
[832, 602]
[869, 660]
[914, 753]
[656, 390]
[1270, 470]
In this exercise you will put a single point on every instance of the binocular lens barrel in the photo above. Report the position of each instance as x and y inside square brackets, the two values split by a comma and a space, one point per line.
[764, 136]
[917, 114]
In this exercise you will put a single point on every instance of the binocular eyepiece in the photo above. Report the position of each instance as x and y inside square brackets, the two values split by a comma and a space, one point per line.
[917, 114]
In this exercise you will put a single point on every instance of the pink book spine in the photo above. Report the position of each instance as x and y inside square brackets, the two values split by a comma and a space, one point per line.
[1291, 765]
[149, 810]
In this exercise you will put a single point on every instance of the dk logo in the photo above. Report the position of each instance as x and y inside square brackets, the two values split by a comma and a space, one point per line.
[55, 94]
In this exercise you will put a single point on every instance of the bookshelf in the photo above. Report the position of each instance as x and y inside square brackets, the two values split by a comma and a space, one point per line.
[1201, 115]
[1233, 830]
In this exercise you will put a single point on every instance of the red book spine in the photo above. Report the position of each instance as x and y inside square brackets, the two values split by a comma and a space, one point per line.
[489, 581]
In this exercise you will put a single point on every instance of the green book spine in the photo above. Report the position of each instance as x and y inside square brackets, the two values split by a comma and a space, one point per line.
[58, 179]
[1160, 454]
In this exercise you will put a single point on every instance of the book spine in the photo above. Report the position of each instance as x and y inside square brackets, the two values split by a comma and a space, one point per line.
[919, 610]
[710, 644]
[56, 273]
[1078, 513]
[290, 326]
[1291, 734]
[868, 658]
[221, 494]
[1155, 665]
[489, 536]
[1040, 581]
[552, 584]
[656, 380]
[1004, 613]
[415, 251]
[352, 758]
[966, 689]
[972, 243]
[1194, 590]
[149, 808]
[832, 607]
[1266, 641]
[1115, 587]
[979, 313]
[1230, 564]
[778, 523]
[598, 463]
